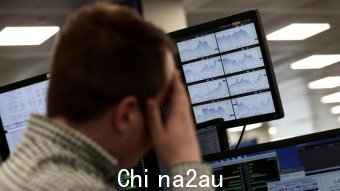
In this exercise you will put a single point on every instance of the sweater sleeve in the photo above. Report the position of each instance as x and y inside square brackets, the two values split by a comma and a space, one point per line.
[191, 176]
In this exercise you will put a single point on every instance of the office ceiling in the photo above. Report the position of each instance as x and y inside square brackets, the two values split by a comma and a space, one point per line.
[17, 63]
[304, 111]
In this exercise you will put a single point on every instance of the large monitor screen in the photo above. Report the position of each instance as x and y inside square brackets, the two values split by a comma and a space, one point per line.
[17, 102]
[307, 163]
[227, 69]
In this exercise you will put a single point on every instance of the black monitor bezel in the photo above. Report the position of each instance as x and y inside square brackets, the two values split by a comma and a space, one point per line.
[255, 16]
[4, 148]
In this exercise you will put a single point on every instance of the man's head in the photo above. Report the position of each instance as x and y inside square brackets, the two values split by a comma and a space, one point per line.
[107, 62]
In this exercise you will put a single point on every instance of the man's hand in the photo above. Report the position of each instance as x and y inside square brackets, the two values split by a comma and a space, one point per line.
[175, 142]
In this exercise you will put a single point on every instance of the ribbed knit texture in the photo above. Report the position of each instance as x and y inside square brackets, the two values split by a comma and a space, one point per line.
[54, 157]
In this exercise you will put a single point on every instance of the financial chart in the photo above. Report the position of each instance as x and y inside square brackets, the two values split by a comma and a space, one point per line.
[214, 110]
[248, 82]
[242, 60]
[197, 47]
[203, 69]
[208, 91]
[253, 105]
[237, 37]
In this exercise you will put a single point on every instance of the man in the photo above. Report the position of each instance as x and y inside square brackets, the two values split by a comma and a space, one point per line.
[111, 71]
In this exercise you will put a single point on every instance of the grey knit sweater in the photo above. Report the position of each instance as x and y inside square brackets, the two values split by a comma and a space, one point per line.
[52, 157]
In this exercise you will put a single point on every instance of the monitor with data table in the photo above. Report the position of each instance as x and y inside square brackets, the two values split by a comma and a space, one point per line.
[306, 163]
[17, 101]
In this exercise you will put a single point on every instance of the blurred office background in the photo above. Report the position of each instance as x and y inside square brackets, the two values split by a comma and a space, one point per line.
[305, 113]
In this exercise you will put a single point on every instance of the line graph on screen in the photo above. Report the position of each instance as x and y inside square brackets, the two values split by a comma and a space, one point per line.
[242, 60]
[203, 69]
[253, 105]
[238, 37]
[197, 47]
[208, 91]
[210, 111]
[248, 82]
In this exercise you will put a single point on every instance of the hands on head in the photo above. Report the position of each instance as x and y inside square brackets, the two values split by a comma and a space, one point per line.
[174, 141]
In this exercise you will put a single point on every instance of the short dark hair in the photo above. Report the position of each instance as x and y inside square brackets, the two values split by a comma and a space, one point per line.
[105, 52]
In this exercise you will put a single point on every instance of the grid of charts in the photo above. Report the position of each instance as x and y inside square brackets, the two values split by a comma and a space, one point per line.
[225, 74]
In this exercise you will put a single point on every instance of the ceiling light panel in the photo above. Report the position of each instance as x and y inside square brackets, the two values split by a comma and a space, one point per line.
[298, 31]
[328, 82]
[335, 110]
[332, 98]
[23, 36]
[316, 61]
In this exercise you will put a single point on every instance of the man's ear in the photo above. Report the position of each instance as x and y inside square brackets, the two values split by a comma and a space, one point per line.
[125, 113]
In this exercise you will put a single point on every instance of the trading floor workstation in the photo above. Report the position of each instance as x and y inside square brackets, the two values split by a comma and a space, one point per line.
[227, 70]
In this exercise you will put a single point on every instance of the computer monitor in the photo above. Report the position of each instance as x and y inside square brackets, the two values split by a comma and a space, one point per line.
[227, 70]
[17, 102]
[212, 138]
[310, 162]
